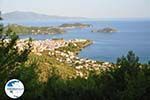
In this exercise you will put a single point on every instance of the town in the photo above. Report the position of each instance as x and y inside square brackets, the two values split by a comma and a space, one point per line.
[66, 51]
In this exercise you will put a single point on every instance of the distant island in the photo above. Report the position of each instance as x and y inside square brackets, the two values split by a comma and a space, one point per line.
[75, 25]
[20, 29]
[19, 15]
[105, 30]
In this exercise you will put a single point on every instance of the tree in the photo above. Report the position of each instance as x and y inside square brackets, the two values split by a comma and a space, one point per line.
[129, 64]
[0, 16]
[10, 56]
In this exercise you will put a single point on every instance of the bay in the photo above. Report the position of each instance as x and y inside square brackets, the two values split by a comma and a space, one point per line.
[131, 35]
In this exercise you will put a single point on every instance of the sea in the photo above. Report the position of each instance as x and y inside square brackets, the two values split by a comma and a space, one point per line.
[132, 35]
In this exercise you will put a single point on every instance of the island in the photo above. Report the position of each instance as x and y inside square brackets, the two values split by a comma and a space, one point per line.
[105, 30]
[75, 25]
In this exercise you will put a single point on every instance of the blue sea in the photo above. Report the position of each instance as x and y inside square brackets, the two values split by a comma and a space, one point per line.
[132, 35]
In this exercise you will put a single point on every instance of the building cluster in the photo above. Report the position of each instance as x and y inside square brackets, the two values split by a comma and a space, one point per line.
[39, 46]
[81, 65]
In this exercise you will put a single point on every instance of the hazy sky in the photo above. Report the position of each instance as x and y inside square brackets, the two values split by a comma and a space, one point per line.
[82, 8]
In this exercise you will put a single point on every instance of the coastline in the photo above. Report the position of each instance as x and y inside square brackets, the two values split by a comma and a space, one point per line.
[109, 42]
[60, 29]
[62, 55]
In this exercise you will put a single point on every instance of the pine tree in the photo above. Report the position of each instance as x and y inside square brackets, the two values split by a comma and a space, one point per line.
[0, 16]
[10, 56]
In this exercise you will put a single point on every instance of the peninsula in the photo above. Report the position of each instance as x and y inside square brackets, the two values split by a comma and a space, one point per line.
[63, 56]
[21, 29]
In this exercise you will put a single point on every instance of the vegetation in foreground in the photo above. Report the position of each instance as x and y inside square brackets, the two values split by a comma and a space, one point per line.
[10, 57]
[129, 80]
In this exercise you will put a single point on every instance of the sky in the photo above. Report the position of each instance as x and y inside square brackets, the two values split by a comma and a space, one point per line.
[81, 8]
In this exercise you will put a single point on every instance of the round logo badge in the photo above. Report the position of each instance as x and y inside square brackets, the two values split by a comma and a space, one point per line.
[14, 88]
